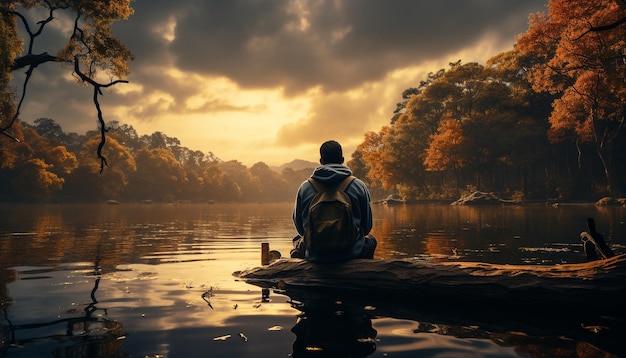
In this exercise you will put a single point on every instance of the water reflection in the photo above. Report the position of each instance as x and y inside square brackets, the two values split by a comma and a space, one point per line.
[90, 334]
[528, 234]
[353, 326]
[332, 328]
[153, 234]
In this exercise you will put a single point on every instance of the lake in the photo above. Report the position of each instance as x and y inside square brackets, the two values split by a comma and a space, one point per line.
[156, 280]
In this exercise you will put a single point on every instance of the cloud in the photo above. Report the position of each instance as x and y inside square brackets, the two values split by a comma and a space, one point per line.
[337, 45]
[339, 116]
[289, 74]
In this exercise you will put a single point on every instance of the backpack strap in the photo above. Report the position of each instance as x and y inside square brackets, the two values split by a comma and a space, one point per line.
[342, 186]
[319, 187]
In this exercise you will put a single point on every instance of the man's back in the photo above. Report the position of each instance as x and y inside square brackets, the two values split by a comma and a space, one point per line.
[331, 174]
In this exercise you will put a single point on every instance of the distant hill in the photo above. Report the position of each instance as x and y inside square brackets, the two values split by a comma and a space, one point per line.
[297, 164]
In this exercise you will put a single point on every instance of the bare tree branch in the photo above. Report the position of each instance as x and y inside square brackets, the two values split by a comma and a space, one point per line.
[10, 136]
[97, 90]
[32, 61]
[603, 27]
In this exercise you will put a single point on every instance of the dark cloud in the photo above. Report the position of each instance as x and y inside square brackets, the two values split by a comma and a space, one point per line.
[346, 43]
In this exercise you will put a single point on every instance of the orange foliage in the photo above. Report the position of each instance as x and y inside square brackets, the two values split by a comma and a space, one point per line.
[586, 68]
[446, 147]
[34, 181]
[372, 150]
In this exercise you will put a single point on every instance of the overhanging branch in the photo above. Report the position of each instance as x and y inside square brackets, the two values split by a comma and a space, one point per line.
[97, 90]
[31, 60]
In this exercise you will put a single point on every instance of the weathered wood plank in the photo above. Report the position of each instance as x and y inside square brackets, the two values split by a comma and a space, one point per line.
[602, 282]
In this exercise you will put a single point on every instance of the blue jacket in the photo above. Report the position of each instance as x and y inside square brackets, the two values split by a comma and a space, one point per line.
[361, 210]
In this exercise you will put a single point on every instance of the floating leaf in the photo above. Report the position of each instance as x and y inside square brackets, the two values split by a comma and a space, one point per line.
[594, 329]
[222, 338]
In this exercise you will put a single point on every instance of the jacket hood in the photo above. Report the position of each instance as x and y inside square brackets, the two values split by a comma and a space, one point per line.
[331, 173]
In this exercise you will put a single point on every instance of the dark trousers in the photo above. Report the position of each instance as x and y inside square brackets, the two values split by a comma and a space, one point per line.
[299, 248]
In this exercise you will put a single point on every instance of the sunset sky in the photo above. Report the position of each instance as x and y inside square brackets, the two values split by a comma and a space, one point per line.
[270, 80]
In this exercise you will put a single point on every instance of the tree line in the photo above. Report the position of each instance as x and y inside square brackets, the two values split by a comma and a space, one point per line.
[542, 121]
[49, 165]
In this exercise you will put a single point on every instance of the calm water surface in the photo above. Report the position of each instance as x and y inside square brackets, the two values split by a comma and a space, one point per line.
[153, 280]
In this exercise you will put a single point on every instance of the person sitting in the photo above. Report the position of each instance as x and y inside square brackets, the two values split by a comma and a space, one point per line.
[332, 174]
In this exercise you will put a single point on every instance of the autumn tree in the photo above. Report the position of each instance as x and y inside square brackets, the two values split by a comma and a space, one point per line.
[88, 183]
[585, 69]
[294, 179]
[91, 49]
[47, 148]
[195, 163]
[126, 134]
[526, 115]
[221, 186]
[43, 157]
[272, 184]
[24, 175]
[376, 159]
[445, 152]
[33, 180]
[10, 152]
[403, 145]
[159, 176]
[249, 186]
[498, 118]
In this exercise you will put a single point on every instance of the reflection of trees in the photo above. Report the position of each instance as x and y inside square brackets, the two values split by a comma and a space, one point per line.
[90, 335]
[409, 230]
[488, 232]
[125, 233]
[6, 276]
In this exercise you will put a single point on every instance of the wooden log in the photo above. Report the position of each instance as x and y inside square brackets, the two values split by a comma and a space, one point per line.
[601, 283]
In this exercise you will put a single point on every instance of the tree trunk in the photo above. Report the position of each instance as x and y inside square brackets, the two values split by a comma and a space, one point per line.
[605, 143]
[610, 172]
[599, 283]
